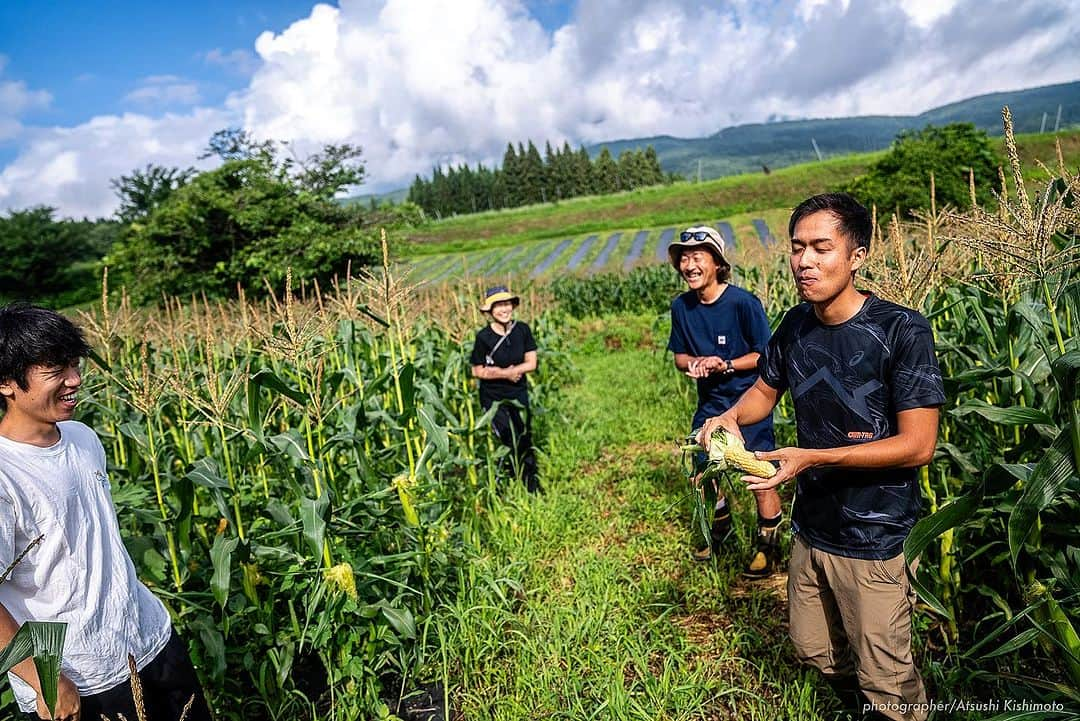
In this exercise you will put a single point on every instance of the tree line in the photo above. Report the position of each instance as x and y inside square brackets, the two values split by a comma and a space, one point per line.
[526, 178]
[178, 231]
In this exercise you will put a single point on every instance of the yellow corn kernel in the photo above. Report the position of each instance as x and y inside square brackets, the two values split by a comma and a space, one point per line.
[744, 460]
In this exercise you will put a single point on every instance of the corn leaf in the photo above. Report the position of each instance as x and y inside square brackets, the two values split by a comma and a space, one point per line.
[221, 554]
[268, 379]
[1009, 416]
[435, 433]
[929, 528]
[1036, 316]
[1013, 644]
[313, 520]
[44, 641]
[1066, 370]
[204, 472]
[1050, 475]
[401, 619]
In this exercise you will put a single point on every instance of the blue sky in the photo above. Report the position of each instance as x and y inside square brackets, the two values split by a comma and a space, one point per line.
[91, 56]
[89, 91]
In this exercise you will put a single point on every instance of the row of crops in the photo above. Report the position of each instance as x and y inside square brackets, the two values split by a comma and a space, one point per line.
[301, 481]
[594, 253]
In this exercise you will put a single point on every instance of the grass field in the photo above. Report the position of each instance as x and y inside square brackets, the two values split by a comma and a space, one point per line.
[587, 604]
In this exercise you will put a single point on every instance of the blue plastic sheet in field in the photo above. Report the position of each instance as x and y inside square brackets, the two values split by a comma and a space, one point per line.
[635, 249]
[529, 257]
[504, 261]
[763, 232]
[602, 259]
[579, 254]
[552, 257]
[727, 233]
[661, 245]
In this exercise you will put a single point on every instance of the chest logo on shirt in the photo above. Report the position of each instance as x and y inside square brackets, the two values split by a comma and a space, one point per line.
[101, 478]
[854, 400]
[721, 340]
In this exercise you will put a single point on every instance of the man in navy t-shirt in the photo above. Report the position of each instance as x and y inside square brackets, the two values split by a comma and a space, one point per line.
[718, 332]
[866, 386]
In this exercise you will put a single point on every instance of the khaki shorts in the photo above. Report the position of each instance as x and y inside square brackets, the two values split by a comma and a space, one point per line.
[853, 617]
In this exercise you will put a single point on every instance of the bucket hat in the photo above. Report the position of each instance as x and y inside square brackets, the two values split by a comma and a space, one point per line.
[698, 236]
[498, 294]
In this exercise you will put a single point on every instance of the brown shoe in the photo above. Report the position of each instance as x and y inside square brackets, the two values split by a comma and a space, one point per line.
[766, 558]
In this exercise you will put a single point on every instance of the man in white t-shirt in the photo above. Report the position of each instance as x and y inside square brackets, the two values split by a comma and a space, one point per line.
[54, 485]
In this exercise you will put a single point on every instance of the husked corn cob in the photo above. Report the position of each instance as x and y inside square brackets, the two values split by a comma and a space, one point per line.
[736, 455]
[725, 449]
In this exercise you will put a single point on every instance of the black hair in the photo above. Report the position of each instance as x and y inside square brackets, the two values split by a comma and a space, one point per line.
[851, 215]
[30, 336]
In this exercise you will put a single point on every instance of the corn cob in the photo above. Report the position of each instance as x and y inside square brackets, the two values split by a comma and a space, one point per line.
[725, 449]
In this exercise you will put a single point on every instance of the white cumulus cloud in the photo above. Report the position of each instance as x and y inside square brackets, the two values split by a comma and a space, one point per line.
[16, 99]
[70, 168]
[164, 90]
[421, 83]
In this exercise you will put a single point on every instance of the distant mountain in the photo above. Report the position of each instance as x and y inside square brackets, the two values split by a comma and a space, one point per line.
[393, 196]
[746, 148]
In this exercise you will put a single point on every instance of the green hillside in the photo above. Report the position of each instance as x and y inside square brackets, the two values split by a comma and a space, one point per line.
[676, 204]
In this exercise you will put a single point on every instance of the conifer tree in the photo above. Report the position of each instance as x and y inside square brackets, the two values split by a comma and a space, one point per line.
[605, 173]
[533, 176]
[583, 173]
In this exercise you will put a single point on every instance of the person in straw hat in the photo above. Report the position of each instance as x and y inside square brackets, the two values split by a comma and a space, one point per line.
[503, 354]
[718, 332]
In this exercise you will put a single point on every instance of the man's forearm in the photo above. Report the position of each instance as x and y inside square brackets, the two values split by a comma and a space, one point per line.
[753, 406]
[24, 669]
[893, 452]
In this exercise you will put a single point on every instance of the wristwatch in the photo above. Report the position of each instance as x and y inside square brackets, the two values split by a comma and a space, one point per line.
[729, 366]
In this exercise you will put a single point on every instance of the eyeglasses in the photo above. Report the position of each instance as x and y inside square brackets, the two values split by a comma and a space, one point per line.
[696, 235]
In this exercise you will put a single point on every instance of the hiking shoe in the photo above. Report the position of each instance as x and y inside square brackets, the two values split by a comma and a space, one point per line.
[766, 558]
[718, 533]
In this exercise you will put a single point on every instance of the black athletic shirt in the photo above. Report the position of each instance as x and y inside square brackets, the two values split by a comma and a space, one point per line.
[512, 352]
[847, 382]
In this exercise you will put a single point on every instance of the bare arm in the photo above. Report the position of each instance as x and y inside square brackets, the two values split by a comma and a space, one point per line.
[510, 373]
[911, 447]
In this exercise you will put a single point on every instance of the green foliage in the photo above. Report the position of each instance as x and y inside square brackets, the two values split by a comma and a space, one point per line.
[900, 180]
[247, 221]
[144, 190]
[305, 486]
[648, 289]
[42, 256]
[526, 179]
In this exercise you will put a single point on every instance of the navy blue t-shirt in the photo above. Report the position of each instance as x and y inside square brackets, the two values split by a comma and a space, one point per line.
[848, 381]
[729, 327]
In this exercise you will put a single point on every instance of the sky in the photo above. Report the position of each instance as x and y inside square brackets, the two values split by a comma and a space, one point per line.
[91, 91]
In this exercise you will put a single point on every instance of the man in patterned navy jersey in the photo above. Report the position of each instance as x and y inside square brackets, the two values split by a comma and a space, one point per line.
[866, 388]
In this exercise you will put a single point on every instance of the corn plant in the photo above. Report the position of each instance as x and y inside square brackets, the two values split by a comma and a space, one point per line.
[300, 479]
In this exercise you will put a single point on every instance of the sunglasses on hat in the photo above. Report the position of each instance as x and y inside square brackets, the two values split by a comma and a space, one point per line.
[696, 235]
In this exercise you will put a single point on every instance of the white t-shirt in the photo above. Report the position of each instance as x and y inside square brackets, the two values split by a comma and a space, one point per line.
[80, 573]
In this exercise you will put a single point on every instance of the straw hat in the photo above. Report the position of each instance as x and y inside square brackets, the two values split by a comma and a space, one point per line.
[498, 294]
